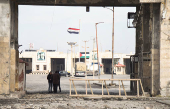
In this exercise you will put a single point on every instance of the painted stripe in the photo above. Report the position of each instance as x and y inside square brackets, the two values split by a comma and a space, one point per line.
[72, 32]
[73, 29]
[84, 53]
[84, 57]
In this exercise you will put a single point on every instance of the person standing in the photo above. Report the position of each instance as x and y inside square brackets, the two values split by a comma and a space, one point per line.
[59, 83]
[50, 82]
[56, 80]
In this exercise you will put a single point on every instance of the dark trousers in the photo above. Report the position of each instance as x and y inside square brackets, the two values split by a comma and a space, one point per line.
[59, 87]
[55, 87]
[50, 86]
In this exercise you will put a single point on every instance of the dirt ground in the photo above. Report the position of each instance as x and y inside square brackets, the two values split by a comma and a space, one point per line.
[63, 101]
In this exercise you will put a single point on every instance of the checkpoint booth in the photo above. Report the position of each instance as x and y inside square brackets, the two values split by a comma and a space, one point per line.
[120, 69]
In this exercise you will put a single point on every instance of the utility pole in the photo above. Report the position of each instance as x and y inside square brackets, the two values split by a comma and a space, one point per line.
[85, 56]
[74, 58]
[67, 60]
[113, 47]
[71, 44]
[112, 44]
[71, 60]
[98, 51]
[79, 41]
[93, 55]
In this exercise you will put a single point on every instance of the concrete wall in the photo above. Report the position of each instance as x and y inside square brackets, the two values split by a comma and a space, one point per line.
[5, 33]
[165, 49]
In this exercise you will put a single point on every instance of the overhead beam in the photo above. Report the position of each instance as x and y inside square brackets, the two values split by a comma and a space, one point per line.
[150, 1]
[80, 2]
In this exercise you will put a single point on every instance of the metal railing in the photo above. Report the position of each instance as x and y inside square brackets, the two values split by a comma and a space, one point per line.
[103, 82]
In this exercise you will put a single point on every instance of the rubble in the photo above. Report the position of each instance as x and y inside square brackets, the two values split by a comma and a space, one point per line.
[63, 101]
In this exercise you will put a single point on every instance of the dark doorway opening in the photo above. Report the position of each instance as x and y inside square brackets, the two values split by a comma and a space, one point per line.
[107, 65]
[57, 64]
[127, 64]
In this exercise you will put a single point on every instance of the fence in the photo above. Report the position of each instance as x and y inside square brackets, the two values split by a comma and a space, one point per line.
[103, 81]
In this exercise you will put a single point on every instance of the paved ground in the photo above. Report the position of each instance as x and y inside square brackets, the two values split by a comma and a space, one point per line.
[39, 83]
[38, 98]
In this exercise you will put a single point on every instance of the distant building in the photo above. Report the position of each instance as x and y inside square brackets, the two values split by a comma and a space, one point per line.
[43, 61]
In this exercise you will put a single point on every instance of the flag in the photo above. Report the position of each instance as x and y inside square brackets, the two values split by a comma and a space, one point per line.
[73, 30]
[82, 55]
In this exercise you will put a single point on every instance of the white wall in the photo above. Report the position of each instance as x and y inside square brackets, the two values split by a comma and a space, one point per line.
[50, 55]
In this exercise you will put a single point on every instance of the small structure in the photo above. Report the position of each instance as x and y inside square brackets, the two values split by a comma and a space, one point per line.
[120, 69]
[20, 81]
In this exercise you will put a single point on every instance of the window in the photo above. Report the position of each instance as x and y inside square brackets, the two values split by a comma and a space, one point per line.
[37, 67]
[119, 69]
[45, 67]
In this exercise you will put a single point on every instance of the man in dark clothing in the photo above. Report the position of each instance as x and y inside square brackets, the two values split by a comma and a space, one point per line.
[50, 81]
[56, 81]
[59, 83]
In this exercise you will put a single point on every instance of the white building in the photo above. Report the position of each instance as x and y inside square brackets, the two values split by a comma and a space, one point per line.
[49, 60]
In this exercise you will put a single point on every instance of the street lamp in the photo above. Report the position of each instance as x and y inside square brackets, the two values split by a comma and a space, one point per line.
[85, 57]
[112, 44]
[71, 44]
[93, 54]
[67, 59]
[97, 51]
[74, 56]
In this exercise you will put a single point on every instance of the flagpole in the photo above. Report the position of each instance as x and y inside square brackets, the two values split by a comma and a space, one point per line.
[79, 41]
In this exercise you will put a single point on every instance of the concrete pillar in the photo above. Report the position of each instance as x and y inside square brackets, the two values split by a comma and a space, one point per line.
[146, 73]
[8, 45]
[138, 31]
[140, 40]
[17, 72]
[165, 48]
[14, 45]
[5, 33]
[155, 50]
[146, 35]
[153, 35]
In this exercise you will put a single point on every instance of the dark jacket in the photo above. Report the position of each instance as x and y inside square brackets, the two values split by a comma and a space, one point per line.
[50, 78]
[56, 78]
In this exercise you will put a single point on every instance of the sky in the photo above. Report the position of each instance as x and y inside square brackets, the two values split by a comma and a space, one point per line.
[46, 27]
